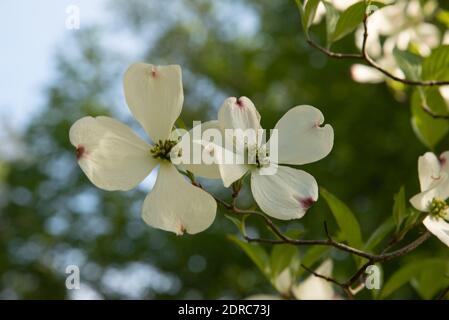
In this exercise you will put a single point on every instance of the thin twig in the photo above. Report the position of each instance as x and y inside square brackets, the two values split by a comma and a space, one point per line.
[336, 55]
[371, 62]
[443, 294]
[353, 279]
[404, 250]
[346, 286]
[316, 274]
[284, 239]
[374, 64]
[364, 56]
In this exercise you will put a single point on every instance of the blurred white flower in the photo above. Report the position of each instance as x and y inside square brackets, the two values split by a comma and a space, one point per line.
[113, 157]
[366, 74]
[312, 288]
[433, 174]
[263, 297]
[284, 282]
[315, 288]
[399, 25]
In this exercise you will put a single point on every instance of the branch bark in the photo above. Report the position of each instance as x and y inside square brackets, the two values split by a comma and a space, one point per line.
[346, 286]
[364, 56]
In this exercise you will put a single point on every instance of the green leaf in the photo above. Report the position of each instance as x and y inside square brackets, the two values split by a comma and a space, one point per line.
[409, 272]
[281, 258]
[436, 66]
[180, 123]
[413, 217]
[429, 130]
[399, 207]
[256, 253]
[443, 17]
[311, 256]
[409, 63]
[237, 222]
[309, 13]
[346, 220]
[294, 233]
[430, 282]
[379, 234]
[300, 7]
[352, 17]
[349, 20]
[332, 16]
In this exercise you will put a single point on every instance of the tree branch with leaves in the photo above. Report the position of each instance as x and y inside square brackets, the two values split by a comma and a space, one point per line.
[235, 146]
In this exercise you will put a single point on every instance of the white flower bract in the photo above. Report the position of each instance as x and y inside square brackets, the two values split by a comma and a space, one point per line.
[433, 174]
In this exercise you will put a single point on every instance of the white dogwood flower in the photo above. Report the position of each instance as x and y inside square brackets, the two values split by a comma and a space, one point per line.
[315, 288]
[289, 192]
[312, 288]
[113, 157]
[433, 174]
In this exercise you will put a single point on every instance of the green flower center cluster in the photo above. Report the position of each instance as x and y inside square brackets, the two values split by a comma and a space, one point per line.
[257, 155]
[438, 208]
[162, 149]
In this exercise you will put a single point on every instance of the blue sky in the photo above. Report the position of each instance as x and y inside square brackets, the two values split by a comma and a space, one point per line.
[30, 31]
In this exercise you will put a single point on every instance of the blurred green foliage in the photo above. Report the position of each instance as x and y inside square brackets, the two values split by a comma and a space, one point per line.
[51, 216]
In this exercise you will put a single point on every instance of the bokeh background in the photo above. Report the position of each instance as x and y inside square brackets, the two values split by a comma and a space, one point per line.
[51, 216]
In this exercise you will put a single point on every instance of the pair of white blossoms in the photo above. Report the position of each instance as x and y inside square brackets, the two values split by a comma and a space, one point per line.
[114, 158]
